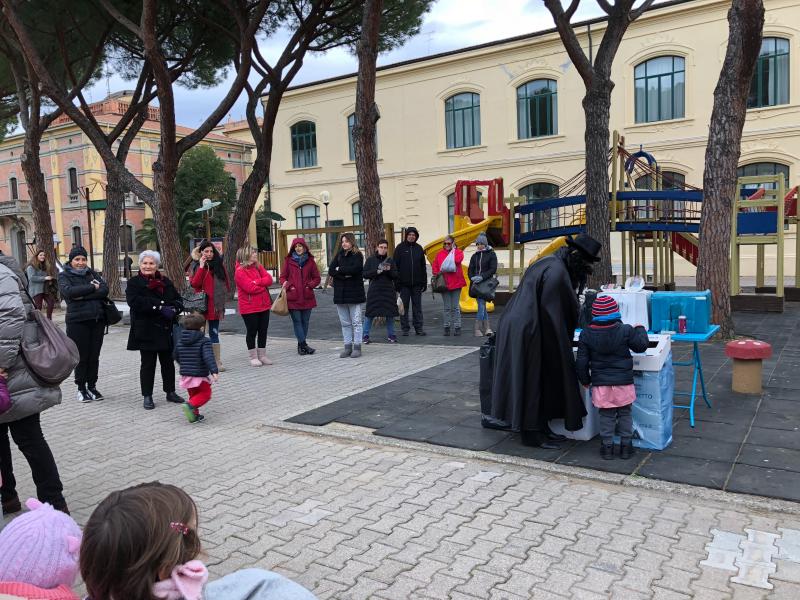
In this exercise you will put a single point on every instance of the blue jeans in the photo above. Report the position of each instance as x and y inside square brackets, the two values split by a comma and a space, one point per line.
[389, 325]
[213, 331]
[483, 314]
[300, 319]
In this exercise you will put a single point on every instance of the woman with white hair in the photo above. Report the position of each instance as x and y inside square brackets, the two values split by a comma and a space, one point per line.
[155, 305]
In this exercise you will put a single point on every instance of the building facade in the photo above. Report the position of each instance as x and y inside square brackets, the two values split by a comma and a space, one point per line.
[71, 164]
[512, 109]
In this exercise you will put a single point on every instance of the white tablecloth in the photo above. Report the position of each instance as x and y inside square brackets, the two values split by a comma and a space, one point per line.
[632, 306]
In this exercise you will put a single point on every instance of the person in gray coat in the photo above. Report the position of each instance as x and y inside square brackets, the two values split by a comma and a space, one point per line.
[28, 398]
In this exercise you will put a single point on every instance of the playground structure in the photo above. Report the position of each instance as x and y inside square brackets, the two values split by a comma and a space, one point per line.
[470, 221]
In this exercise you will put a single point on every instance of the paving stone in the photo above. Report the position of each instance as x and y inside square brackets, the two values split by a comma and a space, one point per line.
[757, 480]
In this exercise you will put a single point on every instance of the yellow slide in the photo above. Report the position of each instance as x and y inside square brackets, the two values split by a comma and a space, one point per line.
[464, 235]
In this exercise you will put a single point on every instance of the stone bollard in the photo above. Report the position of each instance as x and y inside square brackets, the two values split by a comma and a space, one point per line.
[747, 356]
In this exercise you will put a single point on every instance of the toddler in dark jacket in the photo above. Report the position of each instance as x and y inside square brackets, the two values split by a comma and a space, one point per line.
[604, 362]
[195, 355]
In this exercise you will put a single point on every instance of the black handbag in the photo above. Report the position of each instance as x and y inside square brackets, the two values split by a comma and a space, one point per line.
[484, 289]
[194, 301]
[438, 284]
[111, 312]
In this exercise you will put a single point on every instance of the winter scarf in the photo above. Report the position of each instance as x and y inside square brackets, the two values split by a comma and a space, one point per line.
[154, 282]
[300, 259]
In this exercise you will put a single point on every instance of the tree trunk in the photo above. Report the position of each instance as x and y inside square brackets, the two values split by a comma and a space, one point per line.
[367, 115]
[40, 207]
[166, 223]
[596, 106]
[746, 22]
[115, 196]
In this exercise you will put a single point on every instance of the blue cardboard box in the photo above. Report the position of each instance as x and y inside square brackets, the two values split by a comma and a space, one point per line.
[666, 307]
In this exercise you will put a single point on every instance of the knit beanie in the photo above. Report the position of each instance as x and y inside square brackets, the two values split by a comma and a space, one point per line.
[40, 547]
[482, 239]
[605, 308]
[77, 251]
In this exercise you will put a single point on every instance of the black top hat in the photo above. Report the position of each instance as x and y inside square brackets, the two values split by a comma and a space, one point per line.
[587, 246]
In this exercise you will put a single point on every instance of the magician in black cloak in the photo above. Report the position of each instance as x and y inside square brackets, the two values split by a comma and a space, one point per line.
[534, 378]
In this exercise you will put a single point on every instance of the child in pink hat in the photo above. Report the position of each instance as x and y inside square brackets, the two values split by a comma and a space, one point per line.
[39, 554]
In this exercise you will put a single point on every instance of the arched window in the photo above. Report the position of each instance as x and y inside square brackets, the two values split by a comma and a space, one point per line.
[13, 188]
[537, 109]
[77, 237]
[356, 209]
[307, 217]
[72, 184]
[126, 238]
[770, 85]
[535, 192]
[451, 212]
[660, 87]
[462, 118]
[304, 145]
[670, 180]
[764, 168]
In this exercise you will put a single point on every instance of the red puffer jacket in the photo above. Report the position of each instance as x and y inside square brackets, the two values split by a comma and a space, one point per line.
[252, 283]
[455, 280]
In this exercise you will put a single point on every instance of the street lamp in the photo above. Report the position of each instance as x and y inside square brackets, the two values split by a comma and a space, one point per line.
[206, 208]
[326, 200]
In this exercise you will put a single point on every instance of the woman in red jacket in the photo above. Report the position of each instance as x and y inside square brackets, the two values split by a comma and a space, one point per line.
[212, 278]
[454, 278]
[299, 277]
[252, 284]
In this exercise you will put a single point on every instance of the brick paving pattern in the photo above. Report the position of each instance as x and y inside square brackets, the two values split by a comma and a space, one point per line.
[360, 520]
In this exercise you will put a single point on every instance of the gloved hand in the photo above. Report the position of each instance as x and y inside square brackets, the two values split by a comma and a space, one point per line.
[168, 312]
[476, 278]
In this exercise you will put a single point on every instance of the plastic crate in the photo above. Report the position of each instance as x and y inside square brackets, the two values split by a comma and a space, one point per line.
[666, 307]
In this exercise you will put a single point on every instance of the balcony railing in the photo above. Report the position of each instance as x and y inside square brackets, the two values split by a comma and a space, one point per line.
[15, 208]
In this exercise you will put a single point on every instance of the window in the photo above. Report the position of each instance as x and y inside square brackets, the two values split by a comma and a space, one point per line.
[72, 183]
[544, 219]
[307, 217]
[670, 180]
[126, 238]
[462, 118]
[764, 168]
[14, 190]
[304, 145]
[451, 212]
[234, 185]
[537, 109]
[770, 85]
[356, 208]
[76, 237]
[659, 89]
[351, 143]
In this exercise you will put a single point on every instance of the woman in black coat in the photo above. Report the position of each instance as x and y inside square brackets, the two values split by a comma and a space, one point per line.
[347, 270]
[85, 293]
[381, 296]
[155, 304]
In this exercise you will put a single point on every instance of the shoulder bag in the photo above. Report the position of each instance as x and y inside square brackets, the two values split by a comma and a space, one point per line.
[484, 289]
[281, 305]
[111, 312]
[194, 301]
[438, 284]
[50, 354]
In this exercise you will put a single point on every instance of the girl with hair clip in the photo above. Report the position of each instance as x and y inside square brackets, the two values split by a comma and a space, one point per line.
[142, 543]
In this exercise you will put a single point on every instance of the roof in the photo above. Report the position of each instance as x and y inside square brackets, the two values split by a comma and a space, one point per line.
[518, 38]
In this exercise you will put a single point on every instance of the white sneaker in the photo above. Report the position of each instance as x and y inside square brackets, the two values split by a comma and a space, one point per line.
[84, 396]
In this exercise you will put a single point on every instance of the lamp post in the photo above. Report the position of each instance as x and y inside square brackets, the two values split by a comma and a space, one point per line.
[325, 196]
[206, 208]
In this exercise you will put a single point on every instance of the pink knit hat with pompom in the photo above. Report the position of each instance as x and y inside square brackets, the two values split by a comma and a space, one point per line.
[40, 547]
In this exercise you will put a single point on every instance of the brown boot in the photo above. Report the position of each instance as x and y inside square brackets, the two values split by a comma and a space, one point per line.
[218, 356]
[478, 328]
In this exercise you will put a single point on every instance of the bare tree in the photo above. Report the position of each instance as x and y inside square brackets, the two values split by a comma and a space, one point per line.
[165, 69]
[366, 118]
[596, 107]
[745, 27]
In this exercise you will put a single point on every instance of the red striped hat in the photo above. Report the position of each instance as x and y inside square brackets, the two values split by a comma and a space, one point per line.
[604, 306]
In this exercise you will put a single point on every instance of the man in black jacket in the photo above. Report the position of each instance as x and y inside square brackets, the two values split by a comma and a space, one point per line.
[409, 257]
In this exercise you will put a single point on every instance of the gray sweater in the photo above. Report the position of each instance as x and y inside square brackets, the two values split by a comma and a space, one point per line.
[36, 280]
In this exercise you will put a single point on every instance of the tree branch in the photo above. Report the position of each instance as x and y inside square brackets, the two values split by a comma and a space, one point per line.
[570, 41]
[636, 13]
[121, 19]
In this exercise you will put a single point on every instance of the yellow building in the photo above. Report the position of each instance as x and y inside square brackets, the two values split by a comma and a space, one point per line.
[71, 164]
[512, 109]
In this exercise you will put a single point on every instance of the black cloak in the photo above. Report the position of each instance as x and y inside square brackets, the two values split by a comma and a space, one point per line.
[534, 367]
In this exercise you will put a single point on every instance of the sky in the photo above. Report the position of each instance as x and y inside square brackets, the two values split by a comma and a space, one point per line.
[450, 24]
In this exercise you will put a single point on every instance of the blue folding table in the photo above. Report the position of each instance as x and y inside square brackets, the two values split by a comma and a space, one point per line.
[696, 363]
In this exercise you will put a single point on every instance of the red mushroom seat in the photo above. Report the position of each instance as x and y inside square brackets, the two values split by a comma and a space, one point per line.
[747, 356]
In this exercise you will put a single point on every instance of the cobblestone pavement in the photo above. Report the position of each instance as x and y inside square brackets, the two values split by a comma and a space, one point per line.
[359, 520]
